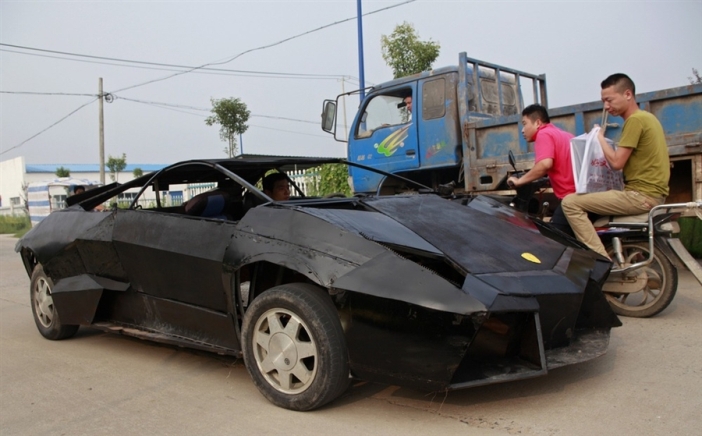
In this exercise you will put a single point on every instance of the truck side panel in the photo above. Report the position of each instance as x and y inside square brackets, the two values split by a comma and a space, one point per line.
[487, 142]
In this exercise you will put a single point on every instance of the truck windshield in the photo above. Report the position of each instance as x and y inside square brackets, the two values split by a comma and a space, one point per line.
[382, 111]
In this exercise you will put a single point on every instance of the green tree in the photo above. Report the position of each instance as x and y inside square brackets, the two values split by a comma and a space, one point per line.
[137, 172]
[63, 172]
[330, 179]
[696, 78]
[405, 53]
[115, 165]
[231, 114]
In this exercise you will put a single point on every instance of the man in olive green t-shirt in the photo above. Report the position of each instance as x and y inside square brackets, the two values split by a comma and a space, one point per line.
[642, 153]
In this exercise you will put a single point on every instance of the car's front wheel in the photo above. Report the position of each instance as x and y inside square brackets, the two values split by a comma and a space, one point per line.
[294, 347]
[45, 315]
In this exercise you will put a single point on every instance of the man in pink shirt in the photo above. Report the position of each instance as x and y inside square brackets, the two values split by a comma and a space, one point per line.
[552, 157]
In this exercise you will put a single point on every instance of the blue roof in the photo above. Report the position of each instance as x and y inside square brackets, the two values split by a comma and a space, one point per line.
[88, 168]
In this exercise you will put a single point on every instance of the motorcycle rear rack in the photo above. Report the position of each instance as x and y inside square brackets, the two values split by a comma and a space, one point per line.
[651, 231]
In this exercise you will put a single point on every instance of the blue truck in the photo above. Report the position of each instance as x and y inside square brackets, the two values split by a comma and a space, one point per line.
[464, 120]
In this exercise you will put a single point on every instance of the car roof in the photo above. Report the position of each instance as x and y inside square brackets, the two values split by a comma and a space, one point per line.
[250, 169]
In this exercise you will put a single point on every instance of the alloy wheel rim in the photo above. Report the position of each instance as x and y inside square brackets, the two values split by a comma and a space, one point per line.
[285, 351]
[43, 303]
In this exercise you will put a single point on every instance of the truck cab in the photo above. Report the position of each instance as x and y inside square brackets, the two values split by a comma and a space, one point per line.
[423, 140]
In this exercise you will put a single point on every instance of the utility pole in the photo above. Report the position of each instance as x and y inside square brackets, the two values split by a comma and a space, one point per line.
[102, 134]
[360, 50]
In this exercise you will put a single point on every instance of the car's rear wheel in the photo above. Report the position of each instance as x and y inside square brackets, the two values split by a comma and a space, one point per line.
[45, 315]
[294, 347]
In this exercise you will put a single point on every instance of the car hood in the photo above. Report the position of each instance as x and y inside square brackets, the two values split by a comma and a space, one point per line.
[474, 239]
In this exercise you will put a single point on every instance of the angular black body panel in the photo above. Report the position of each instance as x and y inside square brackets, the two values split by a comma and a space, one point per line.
[474, 240]
[430, 293]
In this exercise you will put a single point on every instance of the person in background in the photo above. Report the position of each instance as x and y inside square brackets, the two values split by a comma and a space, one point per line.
[642, 153]
[552, 158]
[408, 106]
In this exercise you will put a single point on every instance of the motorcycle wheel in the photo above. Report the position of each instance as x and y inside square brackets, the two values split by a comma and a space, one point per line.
[649, 290]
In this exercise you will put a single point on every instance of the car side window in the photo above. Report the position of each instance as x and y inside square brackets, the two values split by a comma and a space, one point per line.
[196, 190]
[157, 196]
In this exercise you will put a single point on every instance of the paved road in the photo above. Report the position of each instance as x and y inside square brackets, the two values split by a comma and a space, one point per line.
[649, 383]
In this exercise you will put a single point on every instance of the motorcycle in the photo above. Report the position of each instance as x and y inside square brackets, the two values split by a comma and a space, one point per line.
[646, 256]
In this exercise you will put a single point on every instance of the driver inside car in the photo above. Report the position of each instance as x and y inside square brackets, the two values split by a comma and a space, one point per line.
[277, 186]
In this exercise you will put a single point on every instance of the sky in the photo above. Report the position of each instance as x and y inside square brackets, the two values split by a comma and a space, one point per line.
[576, 44]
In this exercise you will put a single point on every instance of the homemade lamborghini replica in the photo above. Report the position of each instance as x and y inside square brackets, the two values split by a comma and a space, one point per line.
[311, 292]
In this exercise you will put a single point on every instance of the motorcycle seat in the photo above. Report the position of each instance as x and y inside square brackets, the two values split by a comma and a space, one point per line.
[621, 219]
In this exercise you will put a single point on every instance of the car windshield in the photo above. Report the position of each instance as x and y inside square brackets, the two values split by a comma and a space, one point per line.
[211, 187]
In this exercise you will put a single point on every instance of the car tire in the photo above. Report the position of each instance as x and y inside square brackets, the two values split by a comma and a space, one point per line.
[45, 315]
[294, 347]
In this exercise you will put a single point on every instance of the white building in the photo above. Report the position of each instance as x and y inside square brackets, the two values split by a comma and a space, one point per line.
[15, 175]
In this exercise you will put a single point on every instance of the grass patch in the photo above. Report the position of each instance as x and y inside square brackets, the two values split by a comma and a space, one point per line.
[691, 235]
[22, 232]
[15, 224]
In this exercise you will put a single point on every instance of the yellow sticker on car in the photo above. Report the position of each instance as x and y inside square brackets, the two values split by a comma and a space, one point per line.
[530, 257]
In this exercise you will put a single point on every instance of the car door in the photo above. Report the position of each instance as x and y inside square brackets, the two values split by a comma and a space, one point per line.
[384, 136]
[174, 265]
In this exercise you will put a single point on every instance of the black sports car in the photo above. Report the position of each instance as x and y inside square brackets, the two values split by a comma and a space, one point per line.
[410, 289]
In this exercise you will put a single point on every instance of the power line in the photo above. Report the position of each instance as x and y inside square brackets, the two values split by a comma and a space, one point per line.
[164, 106]
[34, 136]
[182, 106]
[211, 71]
[287, 119]
[48, 93]
[288, 131]
[169, 107]
[158, 103]
[176, 108]
[227, 60]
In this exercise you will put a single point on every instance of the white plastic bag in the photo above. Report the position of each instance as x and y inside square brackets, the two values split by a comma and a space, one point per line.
[590, 168]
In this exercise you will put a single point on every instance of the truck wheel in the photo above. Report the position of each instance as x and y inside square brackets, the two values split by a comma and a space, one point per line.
[646, 291]
[294, 347]
[45, 315]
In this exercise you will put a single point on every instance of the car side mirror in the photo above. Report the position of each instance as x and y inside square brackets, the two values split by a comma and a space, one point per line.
[328, 116]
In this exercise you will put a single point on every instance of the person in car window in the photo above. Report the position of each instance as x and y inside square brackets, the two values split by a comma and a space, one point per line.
[277, 186]
[407, 116]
